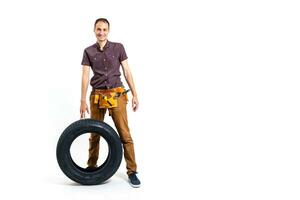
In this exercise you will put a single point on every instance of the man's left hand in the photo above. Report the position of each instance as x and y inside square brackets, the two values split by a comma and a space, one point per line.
[135, 103]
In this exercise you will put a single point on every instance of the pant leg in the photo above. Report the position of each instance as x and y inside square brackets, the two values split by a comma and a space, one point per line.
[119, 116]
[94, 139]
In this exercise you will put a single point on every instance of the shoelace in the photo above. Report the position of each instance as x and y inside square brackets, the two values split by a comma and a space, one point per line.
[133, 176]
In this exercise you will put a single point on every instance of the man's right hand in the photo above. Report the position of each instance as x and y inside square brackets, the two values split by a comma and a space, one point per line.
[83, 107]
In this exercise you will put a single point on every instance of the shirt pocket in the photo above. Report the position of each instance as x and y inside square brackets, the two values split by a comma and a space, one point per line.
[97, 60]
[113, 60]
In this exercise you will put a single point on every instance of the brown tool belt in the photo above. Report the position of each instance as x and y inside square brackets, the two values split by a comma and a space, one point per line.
[108, 98]
[99, 91]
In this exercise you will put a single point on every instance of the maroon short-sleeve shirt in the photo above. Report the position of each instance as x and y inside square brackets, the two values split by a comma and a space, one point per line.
[105, 64]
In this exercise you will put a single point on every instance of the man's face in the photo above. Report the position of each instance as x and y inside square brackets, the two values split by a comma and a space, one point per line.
[101, 31]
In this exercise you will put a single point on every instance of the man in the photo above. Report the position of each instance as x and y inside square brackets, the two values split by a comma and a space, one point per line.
[104, 58]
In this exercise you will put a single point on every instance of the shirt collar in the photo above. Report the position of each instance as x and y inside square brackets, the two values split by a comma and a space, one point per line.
[107, 45]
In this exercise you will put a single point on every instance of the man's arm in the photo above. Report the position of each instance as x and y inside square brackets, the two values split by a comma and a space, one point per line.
[130, 82]
[84, 87]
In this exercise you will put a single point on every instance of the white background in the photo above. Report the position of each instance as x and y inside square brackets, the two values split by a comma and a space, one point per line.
[218, 85]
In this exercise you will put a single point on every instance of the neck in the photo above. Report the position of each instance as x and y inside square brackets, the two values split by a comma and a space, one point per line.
[102, 44]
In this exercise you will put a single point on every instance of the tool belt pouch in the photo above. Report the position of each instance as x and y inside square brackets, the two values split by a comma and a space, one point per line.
[106, 100]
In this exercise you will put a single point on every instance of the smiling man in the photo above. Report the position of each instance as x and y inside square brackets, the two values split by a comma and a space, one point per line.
[108, 93]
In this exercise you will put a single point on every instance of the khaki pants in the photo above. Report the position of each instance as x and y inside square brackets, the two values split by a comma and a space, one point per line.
[119, 116]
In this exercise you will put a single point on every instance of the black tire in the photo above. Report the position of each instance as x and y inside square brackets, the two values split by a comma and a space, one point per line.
[82, 175]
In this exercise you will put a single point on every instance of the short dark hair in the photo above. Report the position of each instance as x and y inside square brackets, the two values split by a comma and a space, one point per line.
[101, 20]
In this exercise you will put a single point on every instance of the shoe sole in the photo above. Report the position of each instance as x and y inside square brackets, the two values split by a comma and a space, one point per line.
[135, 186]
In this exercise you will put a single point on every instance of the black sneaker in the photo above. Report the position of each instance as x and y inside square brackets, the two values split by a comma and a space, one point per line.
[133, 180]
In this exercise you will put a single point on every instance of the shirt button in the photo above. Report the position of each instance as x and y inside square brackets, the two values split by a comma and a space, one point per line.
[104, 59]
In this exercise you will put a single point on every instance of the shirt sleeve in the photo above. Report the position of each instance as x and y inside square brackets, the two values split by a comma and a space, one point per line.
[85, 59]
[123, 55]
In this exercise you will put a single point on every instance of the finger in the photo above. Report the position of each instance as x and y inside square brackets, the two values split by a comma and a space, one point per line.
[87, 110]
[136, 107]
[136, 103]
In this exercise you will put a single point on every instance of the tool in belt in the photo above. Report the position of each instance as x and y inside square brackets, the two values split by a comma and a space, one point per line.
[108, 98]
